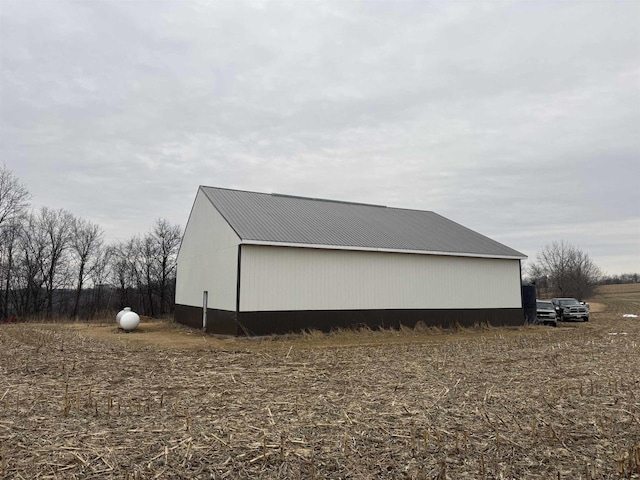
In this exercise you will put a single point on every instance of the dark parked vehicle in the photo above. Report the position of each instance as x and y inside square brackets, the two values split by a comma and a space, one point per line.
[546, 313]
[571, 309]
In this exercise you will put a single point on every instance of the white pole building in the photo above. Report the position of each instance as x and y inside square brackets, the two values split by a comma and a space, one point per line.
[254, 263]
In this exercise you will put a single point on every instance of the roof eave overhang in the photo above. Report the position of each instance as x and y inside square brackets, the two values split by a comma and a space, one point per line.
[385, 250]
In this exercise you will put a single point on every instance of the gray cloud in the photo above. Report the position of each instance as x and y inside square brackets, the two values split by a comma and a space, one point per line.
[520, 120]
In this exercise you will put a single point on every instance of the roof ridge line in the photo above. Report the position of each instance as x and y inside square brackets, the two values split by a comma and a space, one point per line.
[274, 194]
[327, 200]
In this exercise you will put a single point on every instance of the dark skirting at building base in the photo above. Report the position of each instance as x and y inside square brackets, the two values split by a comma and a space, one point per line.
[222, 322]
[226, 322]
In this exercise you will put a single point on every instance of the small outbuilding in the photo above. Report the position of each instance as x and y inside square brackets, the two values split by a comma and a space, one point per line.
[254, 263]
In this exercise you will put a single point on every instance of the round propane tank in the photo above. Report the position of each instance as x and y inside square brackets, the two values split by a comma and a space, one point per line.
[129, 321]
[121, 313]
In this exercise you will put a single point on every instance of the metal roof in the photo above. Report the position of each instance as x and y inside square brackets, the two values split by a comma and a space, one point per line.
[273, 219]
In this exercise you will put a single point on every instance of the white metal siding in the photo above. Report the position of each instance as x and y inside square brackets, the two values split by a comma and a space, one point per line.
[208, 259]
[285, 278]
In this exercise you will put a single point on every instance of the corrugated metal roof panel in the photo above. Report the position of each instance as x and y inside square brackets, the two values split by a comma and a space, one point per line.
[273, 218]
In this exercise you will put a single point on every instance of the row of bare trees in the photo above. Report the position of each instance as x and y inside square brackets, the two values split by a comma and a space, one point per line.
[621, 278]
[53, 263]
[143, 269]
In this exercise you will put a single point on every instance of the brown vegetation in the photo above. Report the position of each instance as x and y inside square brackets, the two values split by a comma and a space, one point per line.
[85, 401]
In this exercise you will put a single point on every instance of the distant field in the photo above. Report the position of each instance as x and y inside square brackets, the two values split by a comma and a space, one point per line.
[84, 401]
[615, 289]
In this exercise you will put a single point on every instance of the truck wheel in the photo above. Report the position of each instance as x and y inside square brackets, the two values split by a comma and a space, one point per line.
[586, 319]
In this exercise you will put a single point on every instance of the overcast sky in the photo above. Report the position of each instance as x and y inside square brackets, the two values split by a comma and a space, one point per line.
[520, 120]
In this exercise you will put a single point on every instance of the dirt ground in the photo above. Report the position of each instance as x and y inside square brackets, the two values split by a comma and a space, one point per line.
[82, 400]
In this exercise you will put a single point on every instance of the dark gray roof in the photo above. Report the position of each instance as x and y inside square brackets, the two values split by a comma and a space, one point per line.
[284, 219]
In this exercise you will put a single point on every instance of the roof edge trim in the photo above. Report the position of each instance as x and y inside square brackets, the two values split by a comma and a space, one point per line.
[385, 250]
[213, 204]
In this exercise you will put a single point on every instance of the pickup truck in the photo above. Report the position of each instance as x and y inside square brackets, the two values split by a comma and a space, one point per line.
[546, 313]
[571, 309]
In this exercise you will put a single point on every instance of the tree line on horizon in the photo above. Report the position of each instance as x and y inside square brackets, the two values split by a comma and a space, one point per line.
[563, 270]
[55, 264]
[619, 279]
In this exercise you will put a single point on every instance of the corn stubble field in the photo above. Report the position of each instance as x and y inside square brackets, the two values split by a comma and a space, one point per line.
[84, 401]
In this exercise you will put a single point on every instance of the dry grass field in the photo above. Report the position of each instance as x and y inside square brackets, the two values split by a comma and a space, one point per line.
[84, 401]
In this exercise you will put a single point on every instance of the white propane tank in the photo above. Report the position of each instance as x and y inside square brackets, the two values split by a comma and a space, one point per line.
[129, 321]
[121, 313]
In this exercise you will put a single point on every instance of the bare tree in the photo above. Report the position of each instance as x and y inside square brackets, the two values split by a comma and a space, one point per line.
[167, 238]
[98, 275]
[57, 226]
[9, 236]
[29, 275]
[86, 244]
[148, 257]
[14, 197]
[125, 270]
[566, 271]
[14, 200]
